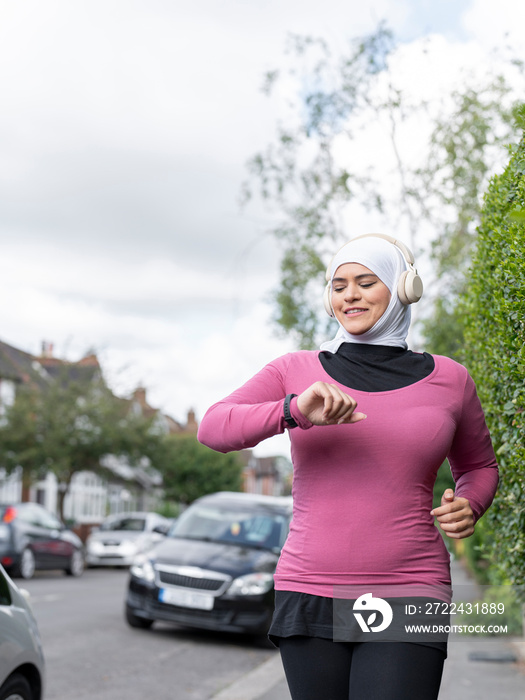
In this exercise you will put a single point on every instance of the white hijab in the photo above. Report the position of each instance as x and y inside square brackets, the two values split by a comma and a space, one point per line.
[386, 261]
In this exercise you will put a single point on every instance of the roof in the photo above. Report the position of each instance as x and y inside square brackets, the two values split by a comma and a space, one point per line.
[25, 368]
[87, 369]
[20, 366]
[134, 514]
[281, 502]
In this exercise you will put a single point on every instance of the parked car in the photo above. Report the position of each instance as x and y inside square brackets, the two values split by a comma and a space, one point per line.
[22, 667]
[215, 568]
[121, 537]
[33, 538]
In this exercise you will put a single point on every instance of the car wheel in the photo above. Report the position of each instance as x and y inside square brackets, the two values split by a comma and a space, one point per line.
[76, 564]
[26, 566]
[16, 688]
[136, 621]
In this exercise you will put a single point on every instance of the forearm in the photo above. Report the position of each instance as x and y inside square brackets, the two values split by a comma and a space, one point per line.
[252, 413]
[227, 427]
[479, 487]
[472, 459]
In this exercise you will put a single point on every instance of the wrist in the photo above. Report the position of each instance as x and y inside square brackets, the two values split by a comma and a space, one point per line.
[288, 418]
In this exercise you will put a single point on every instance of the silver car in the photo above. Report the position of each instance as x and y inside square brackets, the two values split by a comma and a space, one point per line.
[22, 668]
[121, 537]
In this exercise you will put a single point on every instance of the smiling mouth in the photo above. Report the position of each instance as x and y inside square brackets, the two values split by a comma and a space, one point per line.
[352, 312]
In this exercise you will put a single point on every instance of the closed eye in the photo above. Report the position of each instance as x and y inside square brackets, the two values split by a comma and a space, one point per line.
[363, 285]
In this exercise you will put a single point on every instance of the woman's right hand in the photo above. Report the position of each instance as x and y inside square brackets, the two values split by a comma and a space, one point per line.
[326, 404]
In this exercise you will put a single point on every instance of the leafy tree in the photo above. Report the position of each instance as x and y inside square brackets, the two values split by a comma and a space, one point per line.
[69, 427]
[190, 470]
[464, 151]
[20, 438]
[315, 176]
[493, 313]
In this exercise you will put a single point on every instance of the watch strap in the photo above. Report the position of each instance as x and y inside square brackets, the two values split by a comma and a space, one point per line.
[290, 422]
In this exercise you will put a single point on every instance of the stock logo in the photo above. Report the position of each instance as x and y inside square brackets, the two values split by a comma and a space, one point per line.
[367, 604]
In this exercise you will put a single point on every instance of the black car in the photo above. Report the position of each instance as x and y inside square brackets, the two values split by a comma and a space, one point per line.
[33, 538]
[215, 568]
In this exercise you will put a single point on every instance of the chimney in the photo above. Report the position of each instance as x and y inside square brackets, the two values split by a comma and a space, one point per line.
[140, 395]
[47, 349]
[191, 422]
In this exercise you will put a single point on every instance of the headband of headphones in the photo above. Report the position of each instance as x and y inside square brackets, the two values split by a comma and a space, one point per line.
[409, 287]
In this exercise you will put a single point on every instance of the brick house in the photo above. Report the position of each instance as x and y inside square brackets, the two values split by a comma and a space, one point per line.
[90, 496]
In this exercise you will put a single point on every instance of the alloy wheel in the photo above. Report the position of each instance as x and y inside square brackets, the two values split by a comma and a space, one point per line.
[27, 564]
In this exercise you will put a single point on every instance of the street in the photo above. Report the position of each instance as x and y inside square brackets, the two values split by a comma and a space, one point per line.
[92, 653]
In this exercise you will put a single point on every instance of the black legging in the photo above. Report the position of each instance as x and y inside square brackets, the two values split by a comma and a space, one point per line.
[319, 669]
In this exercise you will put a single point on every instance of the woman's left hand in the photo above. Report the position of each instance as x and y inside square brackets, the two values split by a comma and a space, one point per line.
[455, 516]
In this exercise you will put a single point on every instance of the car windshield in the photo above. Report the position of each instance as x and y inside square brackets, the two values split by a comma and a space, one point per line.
[232, 524]
[127, 524]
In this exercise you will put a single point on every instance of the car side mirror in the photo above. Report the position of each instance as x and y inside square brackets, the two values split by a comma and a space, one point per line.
[161, 529]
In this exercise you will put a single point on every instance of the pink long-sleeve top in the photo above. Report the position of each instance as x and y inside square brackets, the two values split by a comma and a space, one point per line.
[362, 492]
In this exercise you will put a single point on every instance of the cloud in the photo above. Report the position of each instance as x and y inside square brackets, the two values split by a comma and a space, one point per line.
[496, 24]
[124, 132]
[189, 337]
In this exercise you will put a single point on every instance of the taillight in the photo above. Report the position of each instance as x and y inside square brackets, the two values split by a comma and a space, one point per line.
[9, 514]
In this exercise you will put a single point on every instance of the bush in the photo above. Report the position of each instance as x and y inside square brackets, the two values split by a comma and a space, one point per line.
[497, 607]
[493, 313]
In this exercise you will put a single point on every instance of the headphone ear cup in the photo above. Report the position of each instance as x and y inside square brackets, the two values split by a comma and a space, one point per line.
[327, 301]
[410, 287]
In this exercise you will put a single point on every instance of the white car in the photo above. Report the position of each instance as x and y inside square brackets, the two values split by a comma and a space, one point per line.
[22, 667]
[121, 537]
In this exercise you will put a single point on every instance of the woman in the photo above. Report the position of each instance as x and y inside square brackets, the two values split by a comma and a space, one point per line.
[370, 424]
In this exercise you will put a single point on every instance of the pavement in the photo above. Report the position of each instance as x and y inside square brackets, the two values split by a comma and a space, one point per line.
[480, 669]
[475, 669]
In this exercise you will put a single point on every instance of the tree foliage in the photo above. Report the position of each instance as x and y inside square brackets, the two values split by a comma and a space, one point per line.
[349, 147]
[191, 470]
[69, 427]
[464, 151]
[493, 313]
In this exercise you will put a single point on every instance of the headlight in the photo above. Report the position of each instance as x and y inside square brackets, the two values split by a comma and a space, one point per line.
[251, 584]
[95, 547]
[142, 568]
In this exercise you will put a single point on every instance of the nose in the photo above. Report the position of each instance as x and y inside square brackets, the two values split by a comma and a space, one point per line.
[352, 291]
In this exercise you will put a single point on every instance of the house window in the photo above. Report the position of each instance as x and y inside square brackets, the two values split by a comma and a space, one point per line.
[7, 394]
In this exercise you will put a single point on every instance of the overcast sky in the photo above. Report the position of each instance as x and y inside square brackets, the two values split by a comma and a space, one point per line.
[125, 127]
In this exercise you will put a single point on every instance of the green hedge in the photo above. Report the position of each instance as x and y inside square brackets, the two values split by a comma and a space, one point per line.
[493, 313]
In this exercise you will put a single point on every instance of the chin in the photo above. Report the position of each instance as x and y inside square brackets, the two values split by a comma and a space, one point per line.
[355, 331]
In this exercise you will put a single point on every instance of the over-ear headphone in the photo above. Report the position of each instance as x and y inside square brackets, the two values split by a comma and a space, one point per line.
[409, 286]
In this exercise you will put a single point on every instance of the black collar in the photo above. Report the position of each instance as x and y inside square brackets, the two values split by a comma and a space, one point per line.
[376, 367]
[347, 349]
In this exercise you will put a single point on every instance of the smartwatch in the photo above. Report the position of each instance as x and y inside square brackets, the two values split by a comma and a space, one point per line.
[287, 413]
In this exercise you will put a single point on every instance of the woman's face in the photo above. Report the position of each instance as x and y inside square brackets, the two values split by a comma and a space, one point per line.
[359, 298]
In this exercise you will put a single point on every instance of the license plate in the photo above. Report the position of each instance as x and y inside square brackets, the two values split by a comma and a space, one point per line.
[186, 599]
